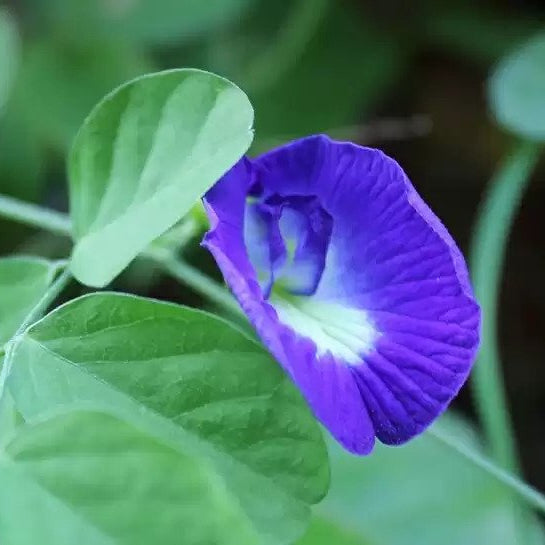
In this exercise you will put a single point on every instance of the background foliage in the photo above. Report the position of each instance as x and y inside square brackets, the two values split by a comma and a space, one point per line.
[411, 80]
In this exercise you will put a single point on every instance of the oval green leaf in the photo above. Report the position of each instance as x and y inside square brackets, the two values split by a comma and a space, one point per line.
[208, 418]
[93, 476]
[142, 159]
[23, 282]
[517, 90]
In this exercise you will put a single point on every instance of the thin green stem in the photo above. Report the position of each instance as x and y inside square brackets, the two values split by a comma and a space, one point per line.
[195, 279]
[530, 495]
[47, 299]
[487, 257]
[35, 314]
[34, 216]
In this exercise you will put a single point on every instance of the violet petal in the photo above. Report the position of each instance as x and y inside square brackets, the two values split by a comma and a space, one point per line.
[373, 318]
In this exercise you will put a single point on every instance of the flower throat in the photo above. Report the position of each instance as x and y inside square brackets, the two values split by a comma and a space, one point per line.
[287, 240]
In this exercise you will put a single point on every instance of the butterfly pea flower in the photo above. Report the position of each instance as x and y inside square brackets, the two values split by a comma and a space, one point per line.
[351, 282]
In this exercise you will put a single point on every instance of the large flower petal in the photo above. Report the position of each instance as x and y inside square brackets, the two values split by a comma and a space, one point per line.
[388, 336]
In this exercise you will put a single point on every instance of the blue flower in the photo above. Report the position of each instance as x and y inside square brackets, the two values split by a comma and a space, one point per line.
[351, 282]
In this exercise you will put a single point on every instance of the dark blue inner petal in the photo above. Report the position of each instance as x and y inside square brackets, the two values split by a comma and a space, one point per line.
[287, 238]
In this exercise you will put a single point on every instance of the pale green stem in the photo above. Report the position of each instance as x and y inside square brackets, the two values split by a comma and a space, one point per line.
[192, 277]
[35, 216]
[486, 258]
[37, 311]
[47, 299]
[530, 495]
[215, 292]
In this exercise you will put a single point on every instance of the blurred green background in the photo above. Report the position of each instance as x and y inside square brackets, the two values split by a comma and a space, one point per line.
[406, 77]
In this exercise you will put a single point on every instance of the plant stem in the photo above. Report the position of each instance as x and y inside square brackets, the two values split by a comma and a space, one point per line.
[530, 495]
[35, 314]
[486, 258]
[48, 297]
[35, 216]
[193, 278]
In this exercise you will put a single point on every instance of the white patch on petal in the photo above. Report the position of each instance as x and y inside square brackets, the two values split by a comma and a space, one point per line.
[347, 333]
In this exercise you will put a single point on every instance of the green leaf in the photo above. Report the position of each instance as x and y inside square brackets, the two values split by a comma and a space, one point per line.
[127, 399]
[326, 532]
[141, 491]
[9, 418]
[143, 157]
[423, 493]
[9, 54]
[23, 281]
[517, 90]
